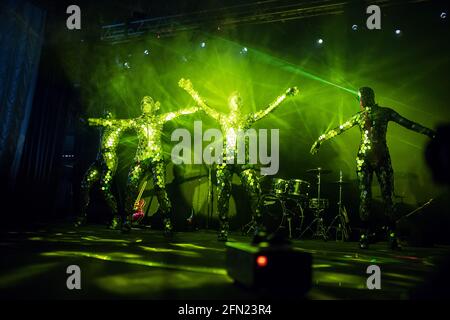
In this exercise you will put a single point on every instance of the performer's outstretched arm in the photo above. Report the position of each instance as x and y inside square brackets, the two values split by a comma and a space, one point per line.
[124, 123]
[394, 116]
[99, 122]
[186, 84]
[276, 103]
[334, 132]
[172, 115]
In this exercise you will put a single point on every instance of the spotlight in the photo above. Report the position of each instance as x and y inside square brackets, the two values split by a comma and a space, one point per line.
[261, 261]
[320, 41]
[203, 44]
[398, 32]
[244, 50]
[354, 27]
[126, 64]
[277, 267]
[146, 52]
[443, 15]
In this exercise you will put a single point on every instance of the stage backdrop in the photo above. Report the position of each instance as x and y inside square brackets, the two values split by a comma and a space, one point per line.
[21, 36]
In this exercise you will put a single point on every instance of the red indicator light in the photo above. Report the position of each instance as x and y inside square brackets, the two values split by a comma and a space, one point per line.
[261, 261]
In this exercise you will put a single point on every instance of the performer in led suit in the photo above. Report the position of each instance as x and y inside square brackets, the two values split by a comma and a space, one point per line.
[230, 125]
[104, 167]
[149, 159]
[373, 156]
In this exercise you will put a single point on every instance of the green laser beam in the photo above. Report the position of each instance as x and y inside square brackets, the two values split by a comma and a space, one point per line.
[286, 65]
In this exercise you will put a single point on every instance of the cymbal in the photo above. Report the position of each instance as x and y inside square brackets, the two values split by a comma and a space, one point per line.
[343, 182]
[321, 170]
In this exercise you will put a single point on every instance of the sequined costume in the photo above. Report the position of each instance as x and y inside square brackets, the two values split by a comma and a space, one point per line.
[373, 154]
[230, 125]
[149, 159]
[104, 167]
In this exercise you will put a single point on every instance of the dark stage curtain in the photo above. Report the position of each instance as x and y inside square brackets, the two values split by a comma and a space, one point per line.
[21, 36]
[44, 175]
[36, 100]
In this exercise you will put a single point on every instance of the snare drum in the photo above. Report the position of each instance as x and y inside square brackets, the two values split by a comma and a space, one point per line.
[315, 203]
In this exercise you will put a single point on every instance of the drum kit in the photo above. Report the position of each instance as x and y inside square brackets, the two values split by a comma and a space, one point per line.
[291, 199]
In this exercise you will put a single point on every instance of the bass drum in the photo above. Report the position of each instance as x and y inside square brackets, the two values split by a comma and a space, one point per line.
[278, 213]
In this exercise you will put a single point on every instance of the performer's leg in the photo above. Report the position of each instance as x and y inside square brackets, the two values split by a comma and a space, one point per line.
[135, 175]
[106, 186]
[159, 182]
[365, 174]
[224, 175]
[253, 188]
[91, 176]
[385, 175]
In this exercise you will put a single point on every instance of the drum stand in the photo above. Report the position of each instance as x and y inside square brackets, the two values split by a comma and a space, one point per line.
[320, 232]
[287, 217]
[251, 226]
[341, 215]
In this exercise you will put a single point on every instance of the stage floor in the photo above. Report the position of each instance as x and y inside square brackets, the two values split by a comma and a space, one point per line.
[144, 265]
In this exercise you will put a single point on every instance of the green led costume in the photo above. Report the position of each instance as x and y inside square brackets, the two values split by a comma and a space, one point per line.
[373, 155]
[104, 167]
[149, 159]
[230, 125]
